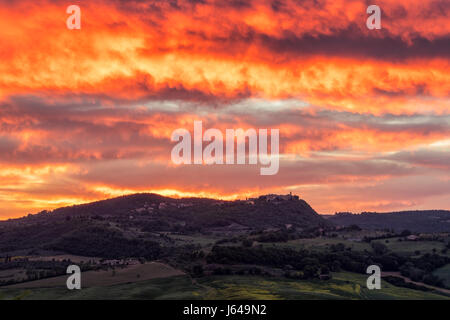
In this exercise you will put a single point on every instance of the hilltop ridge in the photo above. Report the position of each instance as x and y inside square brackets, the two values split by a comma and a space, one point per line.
[140, 220]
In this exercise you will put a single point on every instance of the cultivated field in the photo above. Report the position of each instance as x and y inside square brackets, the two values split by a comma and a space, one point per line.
[343, 286]
[61, 257]
[321, 244]
[411, 247]
[131, 273]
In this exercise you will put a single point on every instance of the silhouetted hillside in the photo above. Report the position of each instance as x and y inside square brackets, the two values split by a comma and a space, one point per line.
[133, 224]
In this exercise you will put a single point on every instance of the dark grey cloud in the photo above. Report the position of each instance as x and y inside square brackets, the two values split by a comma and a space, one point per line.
[351, 42]
[431, 158]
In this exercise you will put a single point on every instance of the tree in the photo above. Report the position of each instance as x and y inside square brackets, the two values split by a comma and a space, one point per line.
[433, 280]
[324, 270]
[247, 243]
[197, 270]
[379, 248]
[405, 233]
[311, 271]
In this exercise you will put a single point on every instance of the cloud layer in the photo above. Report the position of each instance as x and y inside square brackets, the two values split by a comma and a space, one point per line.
[364, 116]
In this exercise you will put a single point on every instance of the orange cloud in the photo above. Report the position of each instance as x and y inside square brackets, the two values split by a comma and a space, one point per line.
[86, 114]
[126, 54]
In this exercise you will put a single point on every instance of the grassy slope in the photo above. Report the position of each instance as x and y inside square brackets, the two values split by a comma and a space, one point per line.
[444, 273]
[343, 286]
[409, 247]
[133, 273]
[320, 244]
[400, 247]
[178, 287]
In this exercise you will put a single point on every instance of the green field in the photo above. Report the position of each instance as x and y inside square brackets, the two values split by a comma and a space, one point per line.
[201, 240]
[178, 287]
[320, 244]
[342, 286]
[444, 273]
[410, 247]
[103, 278]
[400, 247]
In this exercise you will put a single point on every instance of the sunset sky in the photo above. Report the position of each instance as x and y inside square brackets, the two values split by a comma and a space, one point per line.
[364, 115]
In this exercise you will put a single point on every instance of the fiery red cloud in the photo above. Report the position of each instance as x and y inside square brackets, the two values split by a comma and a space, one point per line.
[86, 114]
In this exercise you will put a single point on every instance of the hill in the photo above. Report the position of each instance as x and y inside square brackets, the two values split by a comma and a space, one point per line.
[133, 225]
[428, 221]
[144, 245]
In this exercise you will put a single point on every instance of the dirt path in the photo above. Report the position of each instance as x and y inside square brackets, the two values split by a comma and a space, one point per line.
[408, 280]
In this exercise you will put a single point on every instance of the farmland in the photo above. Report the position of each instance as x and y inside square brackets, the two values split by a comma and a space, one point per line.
[343, 286]
[101, 278]
[149, 247]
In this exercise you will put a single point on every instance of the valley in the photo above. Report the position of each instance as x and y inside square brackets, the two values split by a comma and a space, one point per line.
[146, 246]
